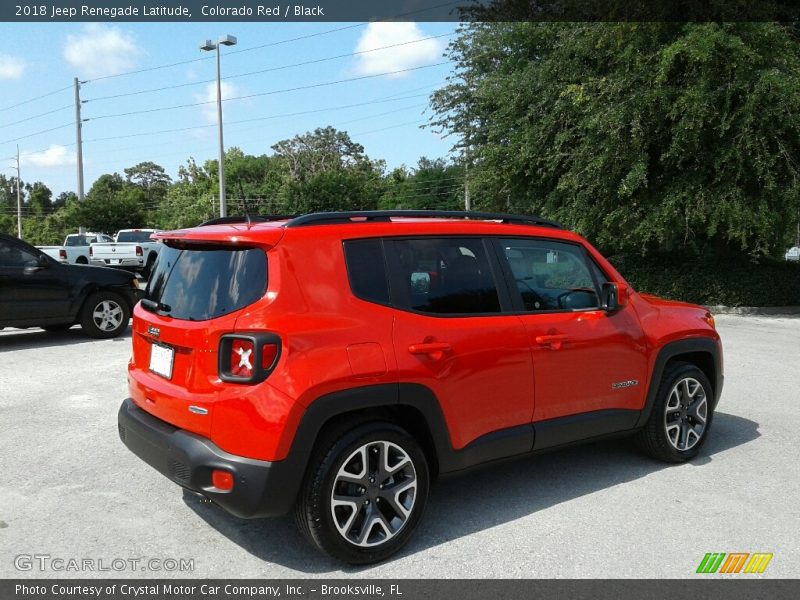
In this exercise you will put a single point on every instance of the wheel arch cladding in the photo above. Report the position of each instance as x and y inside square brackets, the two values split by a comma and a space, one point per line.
[701, 352]
[411, 406]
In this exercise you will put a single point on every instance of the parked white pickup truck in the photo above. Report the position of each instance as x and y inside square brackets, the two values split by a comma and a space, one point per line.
[75, 250]
[132, 249]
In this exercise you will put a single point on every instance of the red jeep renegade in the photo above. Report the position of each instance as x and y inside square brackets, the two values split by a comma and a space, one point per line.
[335, 364]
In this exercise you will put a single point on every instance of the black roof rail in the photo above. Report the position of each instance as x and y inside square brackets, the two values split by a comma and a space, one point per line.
[244, 219]
[334, 218]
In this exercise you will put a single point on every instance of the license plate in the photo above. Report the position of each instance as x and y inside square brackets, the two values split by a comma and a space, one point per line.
[114, 261]
[161, 358]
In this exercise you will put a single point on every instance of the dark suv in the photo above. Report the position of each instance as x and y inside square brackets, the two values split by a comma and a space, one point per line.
[336, 364]
[38, 291]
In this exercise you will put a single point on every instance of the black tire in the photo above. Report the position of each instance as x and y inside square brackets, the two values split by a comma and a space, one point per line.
[57, 328]
[314, 511]
[81, 260]
[659, 437]
[93, 326]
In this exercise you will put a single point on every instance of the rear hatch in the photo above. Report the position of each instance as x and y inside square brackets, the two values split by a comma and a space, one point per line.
[112, 251]
[197, 290]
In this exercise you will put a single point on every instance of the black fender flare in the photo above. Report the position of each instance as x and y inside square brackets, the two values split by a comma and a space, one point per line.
[336, 404]
[670, 350]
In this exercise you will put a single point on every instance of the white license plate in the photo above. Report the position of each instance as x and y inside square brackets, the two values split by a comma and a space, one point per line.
[114, 261]
[161, 358]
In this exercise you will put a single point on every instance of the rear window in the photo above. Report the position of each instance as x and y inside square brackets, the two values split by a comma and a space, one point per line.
[80, 240]
[197, 285]
[134, 236]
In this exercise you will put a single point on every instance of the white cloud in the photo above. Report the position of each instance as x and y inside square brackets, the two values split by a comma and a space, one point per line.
[54, 156]
[381, 34]
[229, 90]
[11, 67]
[100, 50]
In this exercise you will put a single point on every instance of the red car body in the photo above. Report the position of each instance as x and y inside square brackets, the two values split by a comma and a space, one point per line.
[471, 388]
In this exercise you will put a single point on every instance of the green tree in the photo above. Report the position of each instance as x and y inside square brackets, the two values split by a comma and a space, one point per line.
[113, 204]
[39, 199]
[647, 136]
[432, 185]
[152, 179]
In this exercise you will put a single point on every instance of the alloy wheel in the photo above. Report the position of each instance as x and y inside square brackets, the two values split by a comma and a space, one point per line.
[686, 414]
[373, 493]
[107, 315]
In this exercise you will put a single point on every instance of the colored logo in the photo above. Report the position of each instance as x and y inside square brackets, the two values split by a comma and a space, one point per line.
[734, 562]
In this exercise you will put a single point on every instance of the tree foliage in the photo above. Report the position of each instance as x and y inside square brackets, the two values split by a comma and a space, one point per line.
[644, 136]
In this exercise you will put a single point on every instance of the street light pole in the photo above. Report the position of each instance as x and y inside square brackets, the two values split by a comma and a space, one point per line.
[208, 45]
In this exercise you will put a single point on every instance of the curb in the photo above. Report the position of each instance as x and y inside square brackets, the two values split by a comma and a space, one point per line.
[754, 310]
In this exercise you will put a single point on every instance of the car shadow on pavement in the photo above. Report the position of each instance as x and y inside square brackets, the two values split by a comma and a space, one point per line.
[482, 499]
[26, 339]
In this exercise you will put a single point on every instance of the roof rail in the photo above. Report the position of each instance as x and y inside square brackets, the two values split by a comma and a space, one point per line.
[245, 219]
[373, 216]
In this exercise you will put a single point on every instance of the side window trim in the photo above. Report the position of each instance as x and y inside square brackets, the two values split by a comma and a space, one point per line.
[516, 297]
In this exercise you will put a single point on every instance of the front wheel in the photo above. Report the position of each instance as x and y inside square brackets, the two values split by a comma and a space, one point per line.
[105, 315]
[681, 415]
[364, 494]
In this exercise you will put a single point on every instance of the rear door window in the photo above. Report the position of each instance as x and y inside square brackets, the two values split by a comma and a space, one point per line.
[442, 276]
[202, 284]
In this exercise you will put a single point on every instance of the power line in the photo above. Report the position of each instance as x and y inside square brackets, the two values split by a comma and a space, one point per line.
[391, 127]
[29, 100]
[251, 120]
[194, 60]
[268, 70]
[269, 93]
[30, 135]
[271, 44]
[49, 112]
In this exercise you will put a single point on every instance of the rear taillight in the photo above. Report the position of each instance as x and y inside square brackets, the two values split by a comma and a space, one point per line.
[248, 357]
[63, 253]
[139, 251]
[91, 252]
[241, 358]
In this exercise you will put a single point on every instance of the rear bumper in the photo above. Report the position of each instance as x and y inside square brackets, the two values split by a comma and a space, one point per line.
[137, 262]
[260, 489]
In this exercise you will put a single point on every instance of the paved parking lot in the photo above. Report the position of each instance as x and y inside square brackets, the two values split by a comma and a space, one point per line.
[69, 489]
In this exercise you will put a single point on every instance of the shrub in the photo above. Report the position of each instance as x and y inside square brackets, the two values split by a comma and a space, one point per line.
[713, 280]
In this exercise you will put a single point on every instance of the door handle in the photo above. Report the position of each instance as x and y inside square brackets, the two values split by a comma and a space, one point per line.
[554, 341]
[434, 350]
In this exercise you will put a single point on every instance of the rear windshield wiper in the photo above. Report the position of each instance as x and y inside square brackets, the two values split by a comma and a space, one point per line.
[156, 307]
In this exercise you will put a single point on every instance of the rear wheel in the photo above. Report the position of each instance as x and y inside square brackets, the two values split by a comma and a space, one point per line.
[365, 493]
[681, 416]
[105, 315]
[81, 260]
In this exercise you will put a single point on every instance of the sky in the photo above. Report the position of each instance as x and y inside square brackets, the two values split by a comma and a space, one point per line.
[123, 63]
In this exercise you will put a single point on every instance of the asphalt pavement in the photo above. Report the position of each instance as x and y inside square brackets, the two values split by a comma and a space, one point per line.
[69, 489]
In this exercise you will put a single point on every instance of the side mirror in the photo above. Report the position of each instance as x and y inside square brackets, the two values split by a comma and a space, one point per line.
[32, 266]
[613, 296]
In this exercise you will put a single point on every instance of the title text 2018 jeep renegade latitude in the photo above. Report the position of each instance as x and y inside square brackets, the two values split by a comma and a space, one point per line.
[335, 364]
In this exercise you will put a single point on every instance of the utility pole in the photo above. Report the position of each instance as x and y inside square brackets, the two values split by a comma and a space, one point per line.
[19, 200]
[78, 137]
